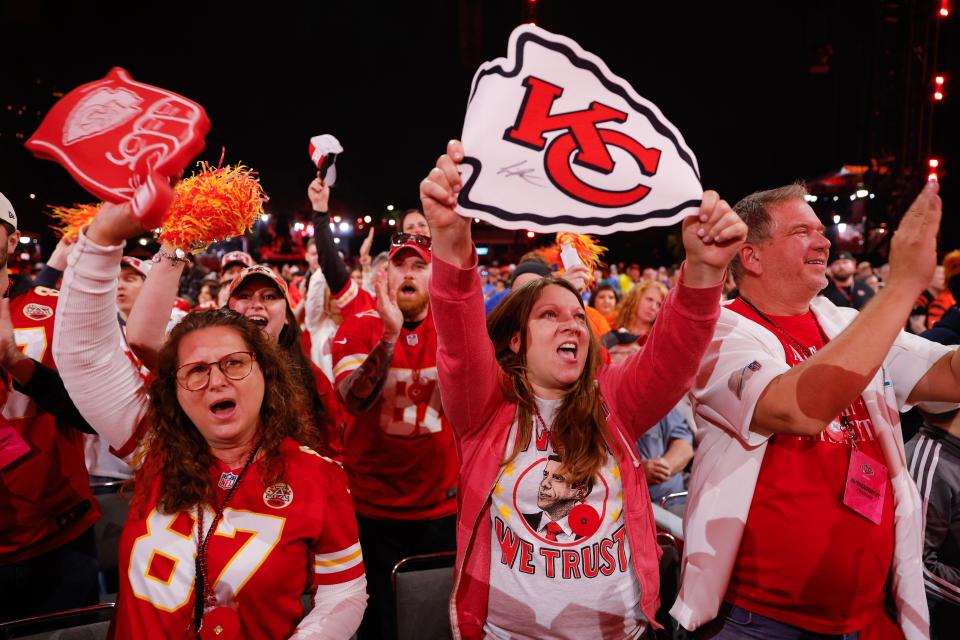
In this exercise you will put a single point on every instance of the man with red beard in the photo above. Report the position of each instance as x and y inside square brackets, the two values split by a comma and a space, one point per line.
[399, 452]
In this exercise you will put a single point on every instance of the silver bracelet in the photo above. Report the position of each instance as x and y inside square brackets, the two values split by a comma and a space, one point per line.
[178, 255]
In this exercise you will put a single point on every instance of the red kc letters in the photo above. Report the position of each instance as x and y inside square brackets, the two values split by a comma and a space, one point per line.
[580, 134]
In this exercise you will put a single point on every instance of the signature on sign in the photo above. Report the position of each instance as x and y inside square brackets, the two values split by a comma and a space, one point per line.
[525, 173]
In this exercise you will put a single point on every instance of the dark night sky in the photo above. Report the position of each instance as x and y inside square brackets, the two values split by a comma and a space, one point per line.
[391, 79]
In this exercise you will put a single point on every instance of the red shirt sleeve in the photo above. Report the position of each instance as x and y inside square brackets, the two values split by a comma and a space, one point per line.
[355, 338]
[336, 555]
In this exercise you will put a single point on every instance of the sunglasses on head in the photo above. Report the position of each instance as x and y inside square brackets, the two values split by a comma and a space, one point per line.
[400, 239]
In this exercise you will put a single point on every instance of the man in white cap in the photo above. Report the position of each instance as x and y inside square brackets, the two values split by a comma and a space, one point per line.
[133, 272]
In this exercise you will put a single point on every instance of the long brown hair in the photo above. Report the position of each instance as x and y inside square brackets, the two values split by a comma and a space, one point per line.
[579, 432]
[174, 447]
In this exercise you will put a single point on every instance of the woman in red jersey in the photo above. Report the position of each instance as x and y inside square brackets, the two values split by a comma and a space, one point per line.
[233, 515]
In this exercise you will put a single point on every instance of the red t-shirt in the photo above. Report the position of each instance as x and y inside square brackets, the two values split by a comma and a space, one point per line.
[399, 454]
[807, 559]
[45, 499]
[272, 545]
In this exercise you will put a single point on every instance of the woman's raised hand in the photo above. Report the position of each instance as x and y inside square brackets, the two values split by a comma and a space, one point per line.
[438, 195]
[711, 239]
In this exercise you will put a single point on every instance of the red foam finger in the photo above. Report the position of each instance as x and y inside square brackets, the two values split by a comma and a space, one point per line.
[123, 140]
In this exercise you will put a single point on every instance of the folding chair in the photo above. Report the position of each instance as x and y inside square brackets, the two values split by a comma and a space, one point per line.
[107, 531]
[423, 585]
[85, 623]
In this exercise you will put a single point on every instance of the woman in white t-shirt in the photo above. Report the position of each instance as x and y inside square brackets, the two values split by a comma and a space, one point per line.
[555, 534]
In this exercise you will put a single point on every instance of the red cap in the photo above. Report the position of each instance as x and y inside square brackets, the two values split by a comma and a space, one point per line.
[420, 244]
[259, 271]
[142, 267]
[236, 256]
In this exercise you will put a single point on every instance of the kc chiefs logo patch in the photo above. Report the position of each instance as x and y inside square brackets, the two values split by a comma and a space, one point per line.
[555, 141]
[278, 496]
[37, 312]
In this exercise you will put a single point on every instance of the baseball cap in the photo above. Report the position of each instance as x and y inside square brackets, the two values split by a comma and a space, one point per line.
[240, 257]
[259, 271]
[421, 244]
[142, 267]
[7, 214]
[842, 255]
[537, 268]
[613, 338]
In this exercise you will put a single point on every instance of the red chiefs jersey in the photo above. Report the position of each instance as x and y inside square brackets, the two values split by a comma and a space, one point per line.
[272, 545]
[399, 454]
[353, 299]
[331, 429]
[45, 500]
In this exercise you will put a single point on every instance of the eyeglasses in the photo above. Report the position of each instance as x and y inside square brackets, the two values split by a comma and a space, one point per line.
[195, 376]
[401, 239]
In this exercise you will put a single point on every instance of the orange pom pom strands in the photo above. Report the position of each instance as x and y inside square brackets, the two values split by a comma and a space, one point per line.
[72, 219]
[586, 246]
[211, 205]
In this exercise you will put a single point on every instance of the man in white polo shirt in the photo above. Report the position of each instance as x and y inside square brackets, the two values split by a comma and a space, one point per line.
[801, 511]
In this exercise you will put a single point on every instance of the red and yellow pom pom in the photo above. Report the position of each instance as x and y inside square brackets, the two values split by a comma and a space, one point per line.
[586, 246]
[72, 219]
[214, 204]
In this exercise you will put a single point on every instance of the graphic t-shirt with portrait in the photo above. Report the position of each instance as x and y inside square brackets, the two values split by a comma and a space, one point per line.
[560, 565]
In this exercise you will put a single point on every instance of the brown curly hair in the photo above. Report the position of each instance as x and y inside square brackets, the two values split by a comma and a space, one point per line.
[176, 450]
[579, 430]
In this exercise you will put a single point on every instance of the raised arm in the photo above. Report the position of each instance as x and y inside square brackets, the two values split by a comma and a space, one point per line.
[467, 367]
[805, 399]
[331, 264]
[147, 323]
[87, 342]
[648, 384]
[363, 386]
[53, 269]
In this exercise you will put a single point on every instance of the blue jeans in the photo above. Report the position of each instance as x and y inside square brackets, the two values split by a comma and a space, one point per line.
[734, 623]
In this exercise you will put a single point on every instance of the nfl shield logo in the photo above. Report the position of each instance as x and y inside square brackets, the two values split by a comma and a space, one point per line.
[227, 479]
[412, 339]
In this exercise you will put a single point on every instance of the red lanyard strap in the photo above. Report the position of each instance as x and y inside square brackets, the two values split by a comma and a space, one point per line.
[200, 586]
[804, 350]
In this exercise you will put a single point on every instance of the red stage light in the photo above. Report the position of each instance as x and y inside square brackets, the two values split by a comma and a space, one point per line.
[530, 234]
[944, 12]
[932, 176]
[934, 163]
[939, 80]
[938, 95]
